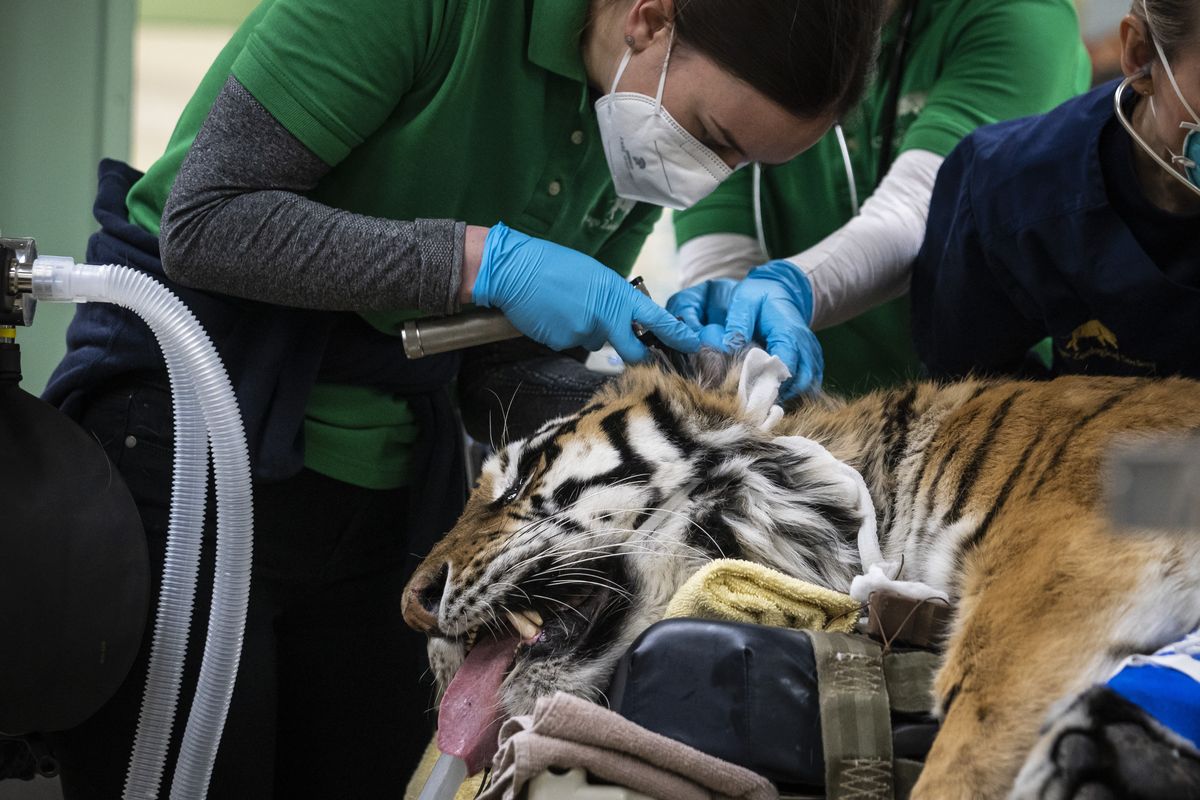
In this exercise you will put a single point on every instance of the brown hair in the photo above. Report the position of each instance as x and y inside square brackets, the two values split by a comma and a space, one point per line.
[812, 57]
[1172, 23]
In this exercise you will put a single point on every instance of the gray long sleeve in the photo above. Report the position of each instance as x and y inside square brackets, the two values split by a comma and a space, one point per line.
[237, 222]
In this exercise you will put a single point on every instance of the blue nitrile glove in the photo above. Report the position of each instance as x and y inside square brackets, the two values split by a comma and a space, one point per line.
[702, 308]
[563, 298]
[774, 305]
[703, 304]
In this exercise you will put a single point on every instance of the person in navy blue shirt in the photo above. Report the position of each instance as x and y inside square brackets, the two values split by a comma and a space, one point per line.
[1081, 225]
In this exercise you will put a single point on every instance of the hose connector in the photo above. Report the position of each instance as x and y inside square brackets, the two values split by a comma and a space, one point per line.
[16, 272]
[59, 279]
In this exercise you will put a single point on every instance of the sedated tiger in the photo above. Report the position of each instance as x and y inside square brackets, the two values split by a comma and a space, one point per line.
[990, 490]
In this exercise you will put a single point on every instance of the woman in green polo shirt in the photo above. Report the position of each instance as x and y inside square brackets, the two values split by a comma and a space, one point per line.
[946, 67]
[344, 165]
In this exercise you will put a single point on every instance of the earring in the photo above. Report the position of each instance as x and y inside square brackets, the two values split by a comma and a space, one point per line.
[628, 40]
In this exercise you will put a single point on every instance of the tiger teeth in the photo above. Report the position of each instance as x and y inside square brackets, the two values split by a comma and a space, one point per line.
[471, 634]
[525, 626]
[534, 617]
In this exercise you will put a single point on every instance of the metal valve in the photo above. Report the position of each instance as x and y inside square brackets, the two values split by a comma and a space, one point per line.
[16, 280]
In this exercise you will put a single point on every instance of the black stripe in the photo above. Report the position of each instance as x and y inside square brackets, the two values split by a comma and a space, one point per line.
[667, 423]
[963, 423]
[1057, 458]
[970, 474]
[951, 696]
[924, 532]
[713, 535]
[589, 408]
[951, 453]
[566, 493]
[653, 500]
[976, 538]
[632, 465]
[896, 428]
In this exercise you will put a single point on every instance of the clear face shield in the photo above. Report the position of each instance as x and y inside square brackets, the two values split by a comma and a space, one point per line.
[1185, 165]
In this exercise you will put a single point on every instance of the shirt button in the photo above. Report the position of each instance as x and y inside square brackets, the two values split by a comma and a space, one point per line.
[577, 137]
[131, 441]
[554, 188]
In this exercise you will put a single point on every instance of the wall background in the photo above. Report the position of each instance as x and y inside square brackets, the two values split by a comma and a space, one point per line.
[66, 87]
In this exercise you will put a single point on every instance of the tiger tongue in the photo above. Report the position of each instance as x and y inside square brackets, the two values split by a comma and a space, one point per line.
[470, 715]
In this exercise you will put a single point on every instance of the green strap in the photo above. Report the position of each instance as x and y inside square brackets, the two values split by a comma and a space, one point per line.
[909, 678]
[856, 725]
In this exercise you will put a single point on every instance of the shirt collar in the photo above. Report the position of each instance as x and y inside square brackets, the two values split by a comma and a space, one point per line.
[554, 37]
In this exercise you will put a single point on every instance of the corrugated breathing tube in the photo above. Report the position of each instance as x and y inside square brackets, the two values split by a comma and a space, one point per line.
[206, 413]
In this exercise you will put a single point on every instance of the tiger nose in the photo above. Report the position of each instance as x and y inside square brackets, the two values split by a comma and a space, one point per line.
[422, 598]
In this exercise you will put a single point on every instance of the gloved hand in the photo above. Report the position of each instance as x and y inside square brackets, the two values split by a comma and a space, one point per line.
[772, 305]
[563, 298]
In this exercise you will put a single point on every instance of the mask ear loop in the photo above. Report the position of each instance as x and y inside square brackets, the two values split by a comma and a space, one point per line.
[1175, 85]
[621, 69]
[662, 78]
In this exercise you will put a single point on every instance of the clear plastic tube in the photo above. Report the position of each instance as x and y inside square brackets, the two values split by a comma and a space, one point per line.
[445, 779]
[206, 412]
[177, 595]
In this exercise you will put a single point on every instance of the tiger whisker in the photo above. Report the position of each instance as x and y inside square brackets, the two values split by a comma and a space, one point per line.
[609, 587]
[562, 603]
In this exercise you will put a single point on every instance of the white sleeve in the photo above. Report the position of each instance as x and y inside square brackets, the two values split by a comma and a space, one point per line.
[868, 260]
[717, 255]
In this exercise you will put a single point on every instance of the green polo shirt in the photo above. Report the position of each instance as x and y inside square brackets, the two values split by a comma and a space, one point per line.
[475, 110]
[970, 63]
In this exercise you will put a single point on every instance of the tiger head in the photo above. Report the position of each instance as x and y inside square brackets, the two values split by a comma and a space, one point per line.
[575, 539]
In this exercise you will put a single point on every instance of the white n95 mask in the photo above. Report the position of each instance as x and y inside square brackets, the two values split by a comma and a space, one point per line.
[652, 158]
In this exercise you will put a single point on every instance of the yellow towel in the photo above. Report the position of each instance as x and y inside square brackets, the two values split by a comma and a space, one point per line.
[416, 783]
[739, 591]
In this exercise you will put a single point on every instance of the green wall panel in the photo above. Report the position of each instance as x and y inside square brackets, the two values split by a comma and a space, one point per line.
[65, 91]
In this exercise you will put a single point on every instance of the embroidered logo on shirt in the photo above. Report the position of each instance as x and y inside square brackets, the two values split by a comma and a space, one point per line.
[608, 214]
[1092, 331]
[1094, 339]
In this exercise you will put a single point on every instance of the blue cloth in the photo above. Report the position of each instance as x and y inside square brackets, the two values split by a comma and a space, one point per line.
[274, 356]
[1169, 695]
[1024, 243]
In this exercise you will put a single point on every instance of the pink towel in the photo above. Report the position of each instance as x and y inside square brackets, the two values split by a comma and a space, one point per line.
[567, 732]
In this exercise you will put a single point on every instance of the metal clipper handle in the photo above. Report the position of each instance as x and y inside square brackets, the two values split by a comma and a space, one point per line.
[428, 337]
[433, 335]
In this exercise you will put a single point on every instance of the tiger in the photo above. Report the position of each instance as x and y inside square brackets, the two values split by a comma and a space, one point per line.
[987, 489]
